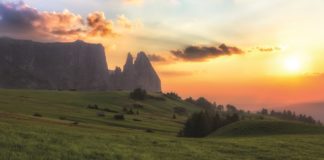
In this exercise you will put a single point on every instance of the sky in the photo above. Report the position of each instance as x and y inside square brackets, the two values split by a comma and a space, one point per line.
[250, 53]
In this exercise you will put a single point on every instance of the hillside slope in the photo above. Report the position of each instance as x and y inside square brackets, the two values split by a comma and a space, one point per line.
[72, 106]
[266, 128]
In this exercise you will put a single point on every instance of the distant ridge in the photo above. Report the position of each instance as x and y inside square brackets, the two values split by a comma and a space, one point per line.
[69, 66]
[316, 109]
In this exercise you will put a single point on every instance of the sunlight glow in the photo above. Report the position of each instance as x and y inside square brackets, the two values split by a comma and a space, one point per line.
[292, 64]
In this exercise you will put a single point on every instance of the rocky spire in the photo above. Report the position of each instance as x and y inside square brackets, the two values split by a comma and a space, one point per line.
[146, 77]
[128, 77]
[129, 65]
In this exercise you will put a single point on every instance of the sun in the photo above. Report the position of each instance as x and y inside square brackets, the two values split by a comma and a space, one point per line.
[292, 64]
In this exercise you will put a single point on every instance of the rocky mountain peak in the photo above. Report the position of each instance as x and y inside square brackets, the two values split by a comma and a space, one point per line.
[147, 77]
[128, 67]
[142, 59]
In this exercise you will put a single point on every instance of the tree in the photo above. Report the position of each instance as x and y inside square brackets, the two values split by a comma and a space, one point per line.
[173, 95]
[196, 126]
[231, 109]
[174, 116]
[220, 108]
[264, 111]
[190, 100]
[203, 123]
[138, 94]
[204, 103]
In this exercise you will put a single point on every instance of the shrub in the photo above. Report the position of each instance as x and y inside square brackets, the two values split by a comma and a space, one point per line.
[37, 115]
[138, 94]
[159, 98]
[75, 123]
[62, 118]
[174, 116]
[138, 120]
[93, 106]
[109, 110]
[101, 114]
[202, 102]
[137, 106]
[130, 111]
[149, 130]
[119, 117]
[180, 110]
[172, 95]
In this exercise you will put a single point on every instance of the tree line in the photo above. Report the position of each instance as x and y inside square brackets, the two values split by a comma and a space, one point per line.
[290, 115]
[205, 122]
[211, 118]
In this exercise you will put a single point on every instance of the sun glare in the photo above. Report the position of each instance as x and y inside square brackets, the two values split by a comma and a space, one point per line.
[292, 64]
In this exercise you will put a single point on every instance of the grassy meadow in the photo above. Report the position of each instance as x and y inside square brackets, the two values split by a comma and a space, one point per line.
[68, 129]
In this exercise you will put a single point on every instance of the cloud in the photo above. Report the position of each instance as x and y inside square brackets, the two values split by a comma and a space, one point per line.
[156, 58]
[124, 22]
[175, 73]
[268, 49]
[201, 53]
[133, 1]
[21, 19]
[99, 25]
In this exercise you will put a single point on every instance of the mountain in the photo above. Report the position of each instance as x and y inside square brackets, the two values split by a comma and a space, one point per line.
[65, 66]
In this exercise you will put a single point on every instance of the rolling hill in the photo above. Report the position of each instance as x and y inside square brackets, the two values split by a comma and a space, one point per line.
[60, 125]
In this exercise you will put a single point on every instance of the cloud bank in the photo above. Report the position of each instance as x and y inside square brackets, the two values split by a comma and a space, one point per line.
[201, 53]
[19, 18]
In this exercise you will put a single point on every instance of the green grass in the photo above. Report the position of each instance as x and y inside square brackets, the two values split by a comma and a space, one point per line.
[267, 127]
[23, 136]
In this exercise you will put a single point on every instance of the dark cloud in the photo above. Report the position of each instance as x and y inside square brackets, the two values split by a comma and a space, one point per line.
[156, 58]
[19, 18]
[200, 53]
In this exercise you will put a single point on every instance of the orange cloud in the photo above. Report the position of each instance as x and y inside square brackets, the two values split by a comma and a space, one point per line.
[99, 25]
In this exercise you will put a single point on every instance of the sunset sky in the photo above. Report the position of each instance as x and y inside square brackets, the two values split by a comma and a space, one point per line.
[251, 53]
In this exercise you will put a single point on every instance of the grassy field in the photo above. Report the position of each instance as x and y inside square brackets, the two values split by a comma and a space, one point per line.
[24, 136]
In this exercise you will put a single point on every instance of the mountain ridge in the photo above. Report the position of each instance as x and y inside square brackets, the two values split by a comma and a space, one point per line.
[65, 66]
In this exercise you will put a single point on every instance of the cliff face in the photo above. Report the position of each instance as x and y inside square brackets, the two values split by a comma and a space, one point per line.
[77, 65]
[27, 64]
